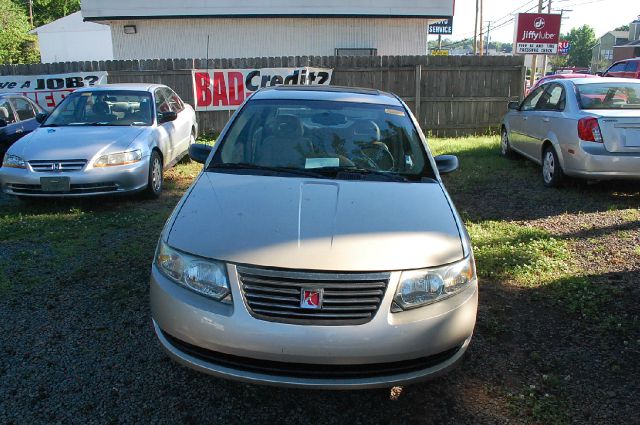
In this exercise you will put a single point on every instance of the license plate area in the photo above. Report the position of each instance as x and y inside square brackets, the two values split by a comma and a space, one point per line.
[55, 184]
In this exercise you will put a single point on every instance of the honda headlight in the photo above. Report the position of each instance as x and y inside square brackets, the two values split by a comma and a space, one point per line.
[121, 158]
[13, 161]
[418, 288]
[204, 276]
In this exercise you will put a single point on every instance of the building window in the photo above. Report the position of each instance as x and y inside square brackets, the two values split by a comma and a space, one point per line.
[607, 54]
[356, 52]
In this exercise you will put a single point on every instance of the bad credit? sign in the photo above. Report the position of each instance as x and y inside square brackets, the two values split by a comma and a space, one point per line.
[226, 89]
[537, 33]
[49, 90]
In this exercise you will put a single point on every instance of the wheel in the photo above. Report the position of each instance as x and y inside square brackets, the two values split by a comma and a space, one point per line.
[505, 146]
[154, 186]
[552, 174]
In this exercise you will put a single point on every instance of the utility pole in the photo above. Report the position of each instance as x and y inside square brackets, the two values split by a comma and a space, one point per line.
[31, 12]
[475, 30]
[545, 58]
[481, 29]
[488, 32]
[534, 58]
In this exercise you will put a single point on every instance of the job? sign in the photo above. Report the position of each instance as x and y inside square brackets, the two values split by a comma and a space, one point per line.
[226, 89]
[49, 90]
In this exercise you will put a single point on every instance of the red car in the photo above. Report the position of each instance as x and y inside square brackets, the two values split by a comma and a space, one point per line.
[628, 68]
[558, 76]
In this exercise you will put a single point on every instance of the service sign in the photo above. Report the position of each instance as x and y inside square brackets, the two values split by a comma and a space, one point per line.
[49, 90]
[537, 34]
[563, 48]
[442, 27]
[440, 52]
[226, 89]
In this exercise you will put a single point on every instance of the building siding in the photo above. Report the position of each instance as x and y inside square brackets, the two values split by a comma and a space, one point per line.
[259, 37]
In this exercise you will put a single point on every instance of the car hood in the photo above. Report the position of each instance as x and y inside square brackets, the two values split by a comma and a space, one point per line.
[74, 142]
[315, 224]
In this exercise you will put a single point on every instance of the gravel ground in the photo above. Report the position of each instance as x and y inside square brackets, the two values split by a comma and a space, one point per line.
[77, 346]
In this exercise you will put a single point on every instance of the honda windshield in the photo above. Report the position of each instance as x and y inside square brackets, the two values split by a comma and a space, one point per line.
[324, 138]
[103, 108]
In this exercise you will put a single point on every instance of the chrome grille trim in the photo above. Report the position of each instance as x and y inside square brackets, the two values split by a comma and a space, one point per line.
[57, 166]
[348, 298]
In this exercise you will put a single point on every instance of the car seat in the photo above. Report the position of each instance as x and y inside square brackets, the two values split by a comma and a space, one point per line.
[286, 147]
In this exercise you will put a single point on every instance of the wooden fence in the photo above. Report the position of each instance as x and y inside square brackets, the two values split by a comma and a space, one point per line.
[451, 96]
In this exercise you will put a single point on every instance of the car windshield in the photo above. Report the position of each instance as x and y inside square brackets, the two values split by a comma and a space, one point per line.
[324, 138]
[108, 108]
[609, 95]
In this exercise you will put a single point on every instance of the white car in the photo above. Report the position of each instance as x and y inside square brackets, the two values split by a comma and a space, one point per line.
[587, 127]
[115, 138]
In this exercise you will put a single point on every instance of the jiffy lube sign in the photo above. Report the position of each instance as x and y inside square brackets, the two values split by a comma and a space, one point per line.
[537, 33]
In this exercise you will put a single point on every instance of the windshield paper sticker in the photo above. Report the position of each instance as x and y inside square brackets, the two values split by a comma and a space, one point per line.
[322, 162]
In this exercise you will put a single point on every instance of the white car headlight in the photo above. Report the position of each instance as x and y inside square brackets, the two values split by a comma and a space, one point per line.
[13, 161]
[121, 158]
[204, 276]
[418, 288]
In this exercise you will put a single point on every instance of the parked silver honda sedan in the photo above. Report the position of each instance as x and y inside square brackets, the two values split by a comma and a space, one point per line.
[588, 128]
[318, 248]
[115, 138]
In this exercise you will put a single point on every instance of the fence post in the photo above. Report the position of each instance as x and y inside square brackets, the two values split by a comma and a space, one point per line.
[418, 90]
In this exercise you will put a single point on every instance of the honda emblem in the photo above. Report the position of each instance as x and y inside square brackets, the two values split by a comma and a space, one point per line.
[311, 298]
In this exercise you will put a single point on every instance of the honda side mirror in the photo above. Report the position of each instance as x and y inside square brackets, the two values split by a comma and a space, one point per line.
[514, 105]
[447, 163]
[199, 152]
[42, 117]
[167, 117]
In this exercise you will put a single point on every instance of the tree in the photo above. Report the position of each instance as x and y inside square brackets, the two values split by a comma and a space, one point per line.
[16, 44]
[622, 28]
[582, 40]
[45, 11]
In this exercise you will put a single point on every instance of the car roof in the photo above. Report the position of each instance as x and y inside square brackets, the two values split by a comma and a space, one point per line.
[329, 93]
[122, 86]
[604, 80]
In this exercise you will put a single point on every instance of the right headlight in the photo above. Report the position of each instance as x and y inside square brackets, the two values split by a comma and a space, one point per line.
[13, 161]
[201, 275]
[418, 288]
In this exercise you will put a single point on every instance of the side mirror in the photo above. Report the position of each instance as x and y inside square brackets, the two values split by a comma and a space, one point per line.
[3, 123]
[167, 117]
[199, 152]
[42, 117]
[514, 105]
[600, 74]
[447, 163]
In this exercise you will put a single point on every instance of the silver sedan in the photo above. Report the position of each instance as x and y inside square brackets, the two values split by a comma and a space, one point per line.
[587, 128]
[102, 140]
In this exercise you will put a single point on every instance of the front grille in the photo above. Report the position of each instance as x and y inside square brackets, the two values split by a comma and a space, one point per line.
[60, 166]
[312, 371]
[86, 188]
[347, 298]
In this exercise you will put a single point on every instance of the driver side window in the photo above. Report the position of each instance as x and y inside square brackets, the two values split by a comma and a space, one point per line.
[6, 112]
[532, 100]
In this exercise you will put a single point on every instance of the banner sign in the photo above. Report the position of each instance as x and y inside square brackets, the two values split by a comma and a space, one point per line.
[563, 48]
[49, 90]
[442, 27]
[226, 89]
[537, 33]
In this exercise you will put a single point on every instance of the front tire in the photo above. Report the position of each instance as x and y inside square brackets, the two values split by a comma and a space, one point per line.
[155, 182]
[505, 146]
[552, 174]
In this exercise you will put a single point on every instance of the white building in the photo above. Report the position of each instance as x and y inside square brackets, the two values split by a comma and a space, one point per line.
[71, 39]
[257, 28]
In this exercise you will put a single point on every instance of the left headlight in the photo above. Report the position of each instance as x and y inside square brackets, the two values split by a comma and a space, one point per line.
[418, 288]
[204, 276]
[120, 158]
[13, 161]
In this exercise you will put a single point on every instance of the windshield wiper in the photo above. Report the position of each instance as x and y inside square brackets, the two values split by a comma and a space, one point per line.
[248, 166]
[337, 171]
[96, 124]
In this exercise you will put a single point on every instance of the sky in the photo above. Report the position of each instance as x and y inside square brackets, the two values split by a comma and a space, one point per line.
[602, 15]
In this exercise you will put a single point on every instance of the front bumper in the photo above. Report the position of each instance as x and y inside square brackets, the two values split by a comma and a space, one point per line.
[88, 182]
[391, 349]
[592, 161]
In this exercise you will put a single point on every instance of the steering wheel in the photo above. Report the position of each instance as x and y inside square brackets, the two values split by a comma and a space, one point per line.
[378, 156]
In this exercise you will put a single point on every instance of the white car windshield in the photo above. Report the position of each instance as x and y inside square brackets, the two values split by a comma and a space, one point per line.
[324, 136]
[609, 95]
[108, 108]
